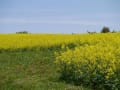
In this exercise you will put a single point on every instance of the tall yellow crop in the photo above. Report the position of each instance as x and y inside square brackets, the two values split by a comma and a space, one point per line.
[95, 62]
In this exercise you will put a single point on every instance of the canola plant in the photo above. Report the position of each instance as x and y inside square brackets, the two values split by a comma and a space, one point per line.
[94, 62]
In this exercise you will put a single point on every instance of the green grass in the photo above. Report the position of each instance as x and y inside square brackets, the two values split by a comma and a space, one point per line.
[31, 70]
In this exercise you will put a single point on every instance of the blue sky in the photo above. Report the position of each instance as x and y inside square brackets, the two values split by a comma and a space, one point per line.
[58, 16]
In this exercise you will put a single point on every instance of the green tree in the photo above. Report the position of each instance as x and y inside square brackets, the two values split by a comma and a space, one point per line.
[105, 30]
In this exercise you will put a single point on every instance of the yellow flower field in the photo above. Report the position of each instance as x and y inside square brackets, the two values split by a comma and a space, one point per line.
[15, 41]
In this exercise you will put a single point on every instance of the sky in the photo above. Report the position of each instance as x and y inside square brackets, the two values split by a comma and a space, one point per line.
[59, 16]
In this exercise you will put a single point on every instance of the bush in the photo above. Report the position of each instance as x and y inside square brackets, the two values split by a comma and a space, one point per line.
[105, 30]
[22, 32]
[114, 31]
[96, 66]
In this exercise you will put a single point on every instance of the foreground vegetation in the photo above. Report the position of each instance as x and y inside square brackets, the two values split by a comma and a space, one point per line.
[32, 61]
[95, 63]
[31, 70]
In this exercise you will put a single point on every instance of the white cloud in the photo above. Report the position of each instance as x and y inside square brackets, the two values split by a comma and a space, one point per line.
[33, 21]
